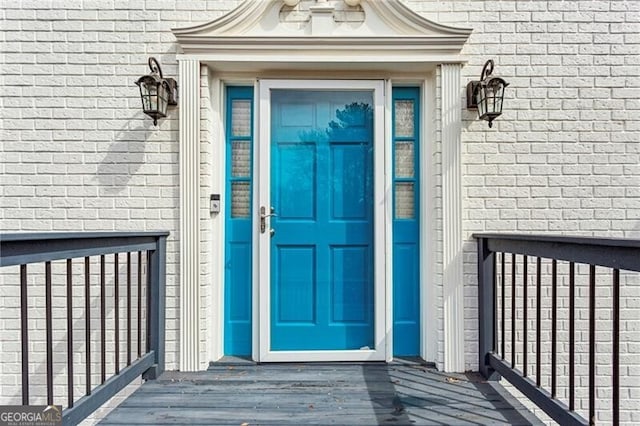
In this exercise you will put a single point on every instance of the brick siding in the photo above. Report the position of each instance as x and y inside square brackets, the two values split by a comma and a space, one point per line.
[78, 154]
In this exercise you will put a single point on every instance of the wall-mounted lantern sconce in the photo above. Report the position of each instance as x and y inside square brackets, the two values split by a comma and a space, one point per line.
[157, 92]
[487, 94]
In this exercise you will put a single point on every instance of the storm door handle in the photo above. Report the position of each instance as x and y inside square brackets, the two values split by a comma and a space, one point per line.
[263, 218]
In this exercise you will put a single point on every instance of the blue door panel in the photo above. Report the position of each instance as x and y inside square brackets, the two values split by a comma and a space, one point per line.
[350, 277]
[349, 172]
[296, 172]
[322, 249]
[405, 306]
[239, 300]
[295, 297]
[406, 230]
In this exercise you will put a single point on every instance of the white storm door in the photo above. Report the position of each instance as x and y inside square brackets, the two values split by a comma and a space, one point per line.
[320, 221]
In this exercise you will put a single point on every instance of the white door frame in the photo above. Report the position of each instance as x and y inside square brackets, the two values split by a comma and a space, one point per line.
[382, 206]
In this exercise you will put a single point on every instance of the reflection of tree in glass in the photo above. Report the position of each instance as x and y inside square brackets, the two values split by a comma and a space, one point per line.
[353, 181]
[353, 124]
[352, 121]
[349, 136]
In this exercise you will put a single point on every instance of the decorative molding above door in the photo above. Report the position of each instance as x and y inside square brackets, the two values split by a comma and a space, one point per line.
[267, 33]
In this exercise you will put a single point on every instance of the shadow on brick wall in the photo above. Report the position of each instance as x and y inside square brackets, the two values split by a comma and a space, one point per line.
[124, 158]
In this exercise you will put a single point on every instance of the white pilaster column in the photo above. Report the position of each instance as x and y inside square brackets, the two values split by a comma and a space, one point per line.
[189, 270]
[453, 285]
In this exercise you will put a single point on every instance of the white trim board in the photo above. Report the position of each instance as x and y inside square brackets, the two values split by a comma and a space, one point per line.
[452, 276]
[189, 136]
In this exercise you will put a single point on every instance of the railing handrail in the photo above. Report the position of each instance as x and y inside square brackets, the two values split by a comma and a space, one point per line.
[615, 253]
[564, 239]
[25, 248]
[54, 235]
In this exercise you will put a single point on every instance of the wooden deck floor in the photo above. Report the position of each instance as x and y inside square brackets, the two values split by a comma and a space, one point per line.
[320, 394]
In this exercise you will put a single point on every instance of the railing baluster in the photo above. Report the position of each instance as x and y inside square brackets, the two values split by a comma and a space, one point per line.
[24, 325]
[156, 272]
[513, 310]
[494, 296]
[139, 304]
[616, 347]
[103, 321]
[592, 344]
[87, 313]
[116, 278]
[554, 316]
[148, 290]
[524, 316]
[538, 317]
[70, 332]
[49, 333]
[502, 307]
[487, 282]
[572, 334]
[128, 308]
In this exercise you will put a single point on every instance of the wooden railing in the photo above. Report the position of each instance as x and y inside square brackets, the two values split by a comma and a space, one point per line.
[505, 297]
[144, 252]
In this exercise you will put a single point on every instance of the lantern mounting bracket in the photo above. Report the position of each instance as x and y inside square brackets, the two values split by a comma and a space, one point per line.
[474, 85]
[154, 66]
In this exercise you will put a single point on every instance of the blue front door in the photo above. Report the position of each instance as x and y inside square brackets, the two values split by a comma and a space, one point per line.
[322, 254]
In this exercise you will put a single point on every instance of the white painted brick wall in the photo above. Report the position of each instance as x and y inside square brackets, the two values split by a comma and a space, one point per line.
[563, 157]
[78, 154]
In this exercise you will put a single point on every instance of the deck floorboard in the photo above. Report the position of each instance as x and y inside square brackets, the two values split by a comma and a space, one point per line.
[320, 394]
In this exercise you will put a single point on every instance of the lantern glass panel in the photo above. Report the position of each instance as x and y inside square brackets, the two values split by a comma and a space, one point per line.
[144, 97]
[491, 98]
[146, 103]
[497, 90]
[153, 97]
[481, 101]
[162, 99]
[499, 97]
[144, 94]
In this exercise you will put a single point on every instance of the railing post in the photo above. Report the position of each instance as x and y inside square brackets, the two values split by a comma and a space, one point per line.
[486, 307]
[156, 308]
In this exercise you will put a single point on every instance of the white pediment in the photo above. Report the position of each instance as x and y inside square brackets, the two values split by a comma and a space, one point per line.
[325, 31]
